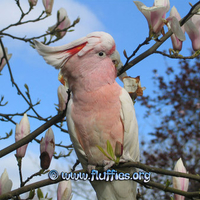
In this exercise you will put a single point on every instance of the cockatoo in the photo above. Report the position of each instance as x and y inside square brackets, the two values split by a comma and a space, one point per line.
[99, 109]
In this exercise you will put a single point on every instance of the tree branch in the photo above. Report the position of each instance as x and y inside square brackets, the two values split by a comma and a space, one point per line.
[158, 170]
[152, 50]
[32, 135]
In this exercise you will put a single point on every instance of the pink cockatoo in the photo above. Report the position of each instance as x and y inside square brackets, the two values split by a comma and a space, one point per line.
[99, 109]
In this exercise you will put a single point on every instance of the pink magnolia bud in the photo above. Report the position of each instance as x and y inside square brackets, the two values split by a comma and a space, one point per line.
[179, 182]
[5, 183]
[47, 147]
[192, 27]
[63, 21]
[32, 2]
[48, 4]
[62, 97]
[3, 60]
[64, 190]
[22, 130]
[154, 14]
[178, 37]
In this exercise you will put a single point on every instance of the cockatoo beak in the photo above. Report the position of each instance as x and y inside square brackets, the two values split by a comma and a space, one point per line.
[115, 57]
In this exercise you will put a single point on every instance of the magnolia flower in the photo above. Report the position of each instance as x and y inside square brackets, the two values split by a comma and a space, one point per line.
[62, 97]
[22, 130]
[173, 22]
[179, 182]
[47, 147]
[154, 14]
[192, 27]
[133, 86]
[48, 4]
[64, 190]
[32, 2]
[5, 183]
[63, 22]
[2, 59]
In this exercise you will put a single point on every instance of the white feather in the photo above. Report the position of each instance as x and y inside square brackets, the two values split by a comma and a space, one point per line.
[57, 56]
[71, 128]
[131, 143]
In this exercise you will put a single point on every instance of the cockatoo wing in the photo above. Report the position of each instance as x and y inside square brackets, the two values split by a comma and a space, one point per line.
[131, 143]
[123, 190]
[71, 129]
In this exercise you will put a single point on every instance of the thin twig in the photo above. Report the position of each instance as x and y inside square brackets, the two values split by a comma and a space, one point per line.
[147, 40]
[13, 82]
[40, 36]
[177, 56]
[33, 175]
[25, 22]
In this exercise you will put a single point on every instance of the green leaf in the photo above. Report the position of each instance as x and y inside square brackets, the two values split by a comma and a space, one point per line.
[45, 39]
[31, 194]
[39, 193]
[167, 184]
[105, 154]
[110, 150]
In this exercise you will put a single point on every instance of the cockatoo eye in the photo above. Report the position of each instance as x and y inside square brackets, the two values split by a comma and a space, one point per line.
[101, 53]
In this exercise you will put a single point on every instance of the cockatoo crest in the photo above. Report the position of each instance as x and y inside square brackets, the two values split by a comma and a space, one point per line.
[58, 56]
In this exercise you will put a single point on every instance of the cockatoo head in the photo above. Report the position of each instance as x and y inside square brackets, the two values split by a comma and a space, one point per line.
[95, 52]
[58, 56]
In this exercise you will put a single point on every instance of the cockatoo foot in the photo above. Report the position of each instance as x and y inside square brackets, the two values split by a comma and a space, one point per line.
[90, 168]
[108, 164]
[122, 160]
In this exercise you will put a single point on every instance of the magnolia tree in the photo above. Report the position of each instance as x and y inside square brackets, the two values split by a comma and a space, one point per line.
[157, 21]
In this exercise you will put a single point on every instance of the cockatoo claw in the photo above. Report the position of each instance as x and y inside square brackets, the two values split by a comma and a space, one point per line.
[90, 168]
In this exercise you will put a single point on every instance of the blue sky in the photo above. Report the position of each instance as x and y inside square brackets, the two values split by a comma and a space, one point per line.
[120, 18]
